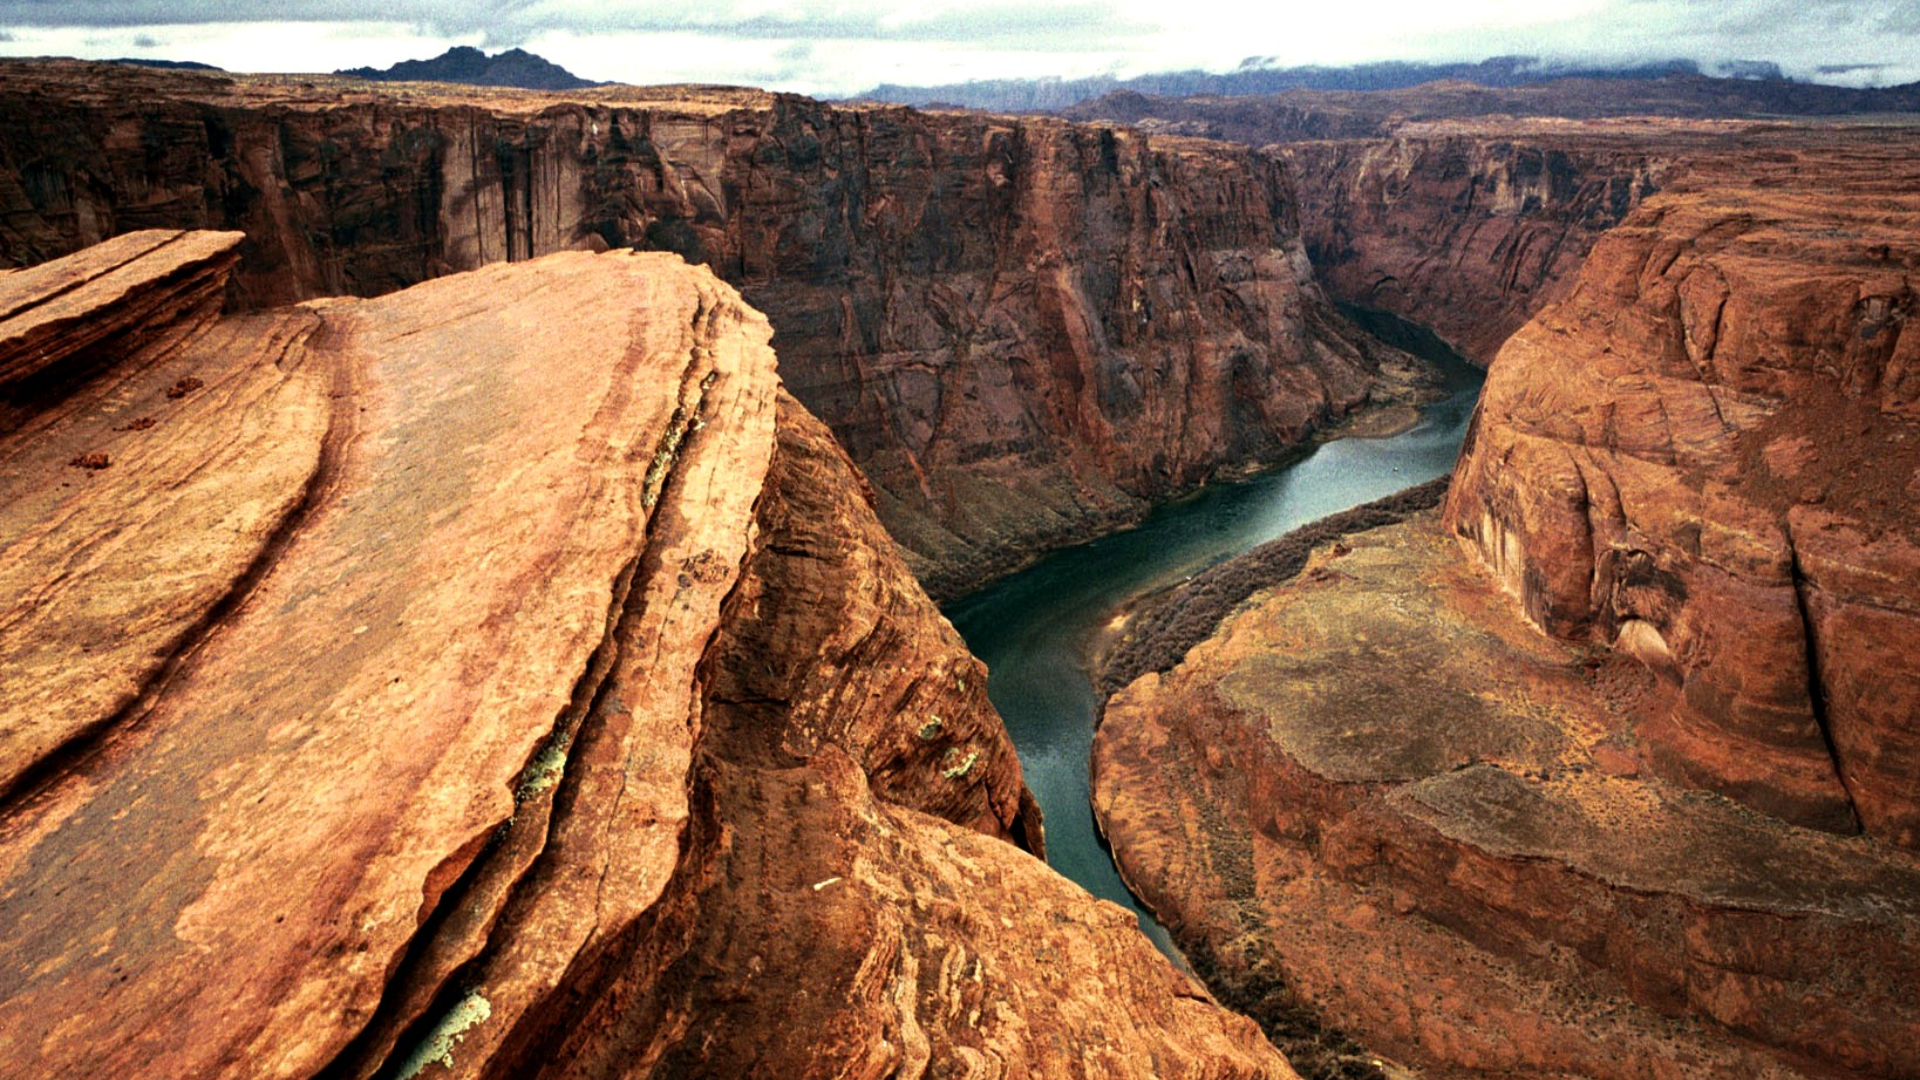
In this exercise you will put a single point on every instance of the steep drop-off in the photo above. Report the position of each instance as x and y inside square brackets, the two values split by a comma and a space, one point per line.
[1376, 800]
[1468, 232]
[454, 696]
[1609, 770]
[1437, 205]
[1024, 330]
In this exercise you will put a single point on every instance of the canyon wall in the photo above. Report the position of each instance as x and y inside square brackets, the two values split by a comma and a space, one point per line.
[1375, 807]
[1608, 768]
[1025, 331]
[1434, 203]
[395, 687]
[1468, 232]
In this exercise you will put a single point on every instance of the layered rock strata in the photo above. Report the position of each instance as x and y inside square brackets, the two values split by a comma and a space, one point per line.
[479, 698]
[1376, 800]
[1708, 457]
[1025, 331]
[1463, 229]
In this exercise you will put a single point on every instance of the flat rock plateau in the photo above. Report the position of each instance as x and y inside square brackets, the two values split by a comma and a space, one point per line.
[503, 677]
[1610, 765]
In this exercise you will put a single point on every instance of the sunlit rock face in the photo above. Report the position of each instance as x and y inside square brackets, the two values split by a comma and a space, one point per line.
[1607, 769]
[1709, 456]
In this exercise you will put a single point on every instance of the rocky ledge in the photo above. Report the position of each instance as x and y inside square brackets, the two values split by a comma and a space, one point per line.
[1708, 457]
[502, 677]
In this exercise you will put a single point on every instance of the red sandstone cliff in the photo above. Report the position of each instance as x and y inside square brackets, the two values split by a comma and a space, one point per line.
[397, 687]
[1463, 229]
[1376, 800]
[1631, 789]
[1025, 331]
[1708, 456]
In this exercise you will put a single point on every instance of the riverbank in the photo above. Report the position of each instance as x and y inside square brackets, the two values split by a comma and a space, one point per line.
[1036, 629]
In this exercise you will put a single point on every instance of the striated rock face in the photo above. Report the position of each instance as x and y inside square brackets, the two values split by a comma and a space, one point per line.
[1465, 230]
[1708, 457]
[450, 694]
[1376, 800]
[1024, 331]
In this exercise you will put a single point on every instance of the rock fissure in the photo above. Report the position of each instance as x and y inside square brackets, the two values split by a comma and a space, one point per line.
[172, 658]
[1816, 686]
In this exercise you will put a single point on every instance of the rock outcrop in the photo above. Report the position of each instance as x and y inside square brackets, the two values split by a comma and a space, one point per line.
[1610, 769]
[1377, 801]
[1708, 456]
[1025, 331]
[445, 693]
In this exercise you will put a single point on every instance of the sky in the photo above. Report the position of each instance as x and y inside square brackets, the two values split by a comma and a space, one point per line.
[838, 47]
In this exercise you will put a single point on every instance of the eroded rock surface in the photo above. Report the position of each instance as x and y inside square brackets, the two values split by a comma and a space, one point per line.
[1025, 331]
[1467, 229]
[1609, 769]
[1708, 456]
[1377, 801]
[522, 664]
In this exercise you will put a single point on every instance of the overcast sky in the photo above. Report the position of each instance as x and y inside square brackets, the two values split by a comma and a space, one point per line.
[836, 47]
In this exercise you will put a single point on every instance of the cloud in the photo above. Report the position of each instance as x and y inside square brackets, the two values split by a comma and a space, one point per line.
[845, 46]
[996, 22]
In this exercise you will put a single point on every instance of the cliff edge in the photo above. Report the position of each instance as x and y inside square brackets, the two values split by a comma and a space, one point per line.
[1608, 767]
[502, 677]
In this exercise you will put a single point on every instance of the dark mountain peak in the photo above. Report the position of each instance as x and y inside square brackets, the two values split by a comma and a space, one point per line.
[466, 64]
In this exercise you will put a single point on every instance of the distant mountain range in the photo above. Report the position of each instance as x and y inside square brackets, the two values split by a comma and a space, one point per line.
[169, 65]
[1296, 115]
[1257, 76]
[463, 64]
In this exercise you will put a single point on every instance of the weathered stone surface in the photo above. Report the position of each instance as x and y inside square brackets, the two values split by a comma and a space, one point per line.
[138, 505]
[1728, 385]
[1377, 798]
[571, 660]
[357, 724]
[1382, 793]
[1025, 331]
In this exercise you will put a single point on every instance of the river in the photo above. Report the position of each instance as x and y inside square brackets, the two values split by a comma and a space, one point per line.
[1035, 628]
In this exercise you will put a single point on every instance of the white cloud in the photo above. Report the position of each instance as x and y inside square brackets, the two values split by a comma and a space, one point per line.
[842, 46]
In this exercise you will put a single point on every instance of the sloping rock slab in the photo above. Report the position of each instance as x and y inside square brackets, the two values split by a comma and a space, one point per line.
[516, 643]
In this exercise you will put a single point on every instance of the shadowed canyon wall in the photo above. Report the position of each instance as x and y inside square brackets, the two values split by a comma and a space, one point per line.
[1466, 232]
[1025, 331]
